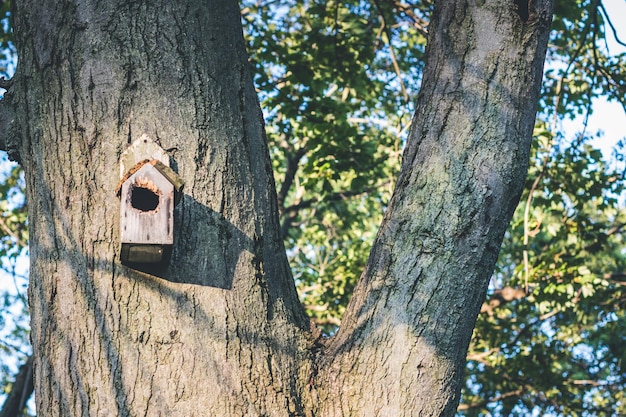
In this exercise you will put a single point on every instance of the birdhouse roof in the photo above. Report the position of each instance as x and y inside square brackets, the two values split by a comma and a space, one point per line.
[167, 173]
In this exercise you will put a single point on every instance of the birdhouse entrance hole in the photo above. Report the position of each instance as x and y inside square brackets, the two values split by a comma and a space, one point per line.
[144, 199]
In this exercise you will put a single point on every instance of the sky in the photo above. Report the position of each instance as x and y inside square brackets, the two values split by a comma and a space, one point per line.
[608, 117]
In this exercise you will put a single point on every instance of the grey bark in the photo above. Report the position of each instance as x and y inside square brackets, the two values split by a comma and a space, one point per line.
[462, 174]
[220, 331]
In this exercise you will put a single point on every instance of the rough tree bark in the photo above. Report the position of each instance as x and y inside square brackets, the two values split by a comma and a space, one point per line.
[462, 174]
[220, 331]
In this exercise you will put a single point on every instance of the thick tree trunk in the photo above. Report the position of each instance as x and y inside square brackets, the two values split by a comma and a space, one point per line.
[220, 330]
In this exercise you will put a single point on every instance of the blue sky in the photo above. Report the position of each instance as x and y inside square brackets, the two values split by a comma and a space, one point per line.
[609, 118]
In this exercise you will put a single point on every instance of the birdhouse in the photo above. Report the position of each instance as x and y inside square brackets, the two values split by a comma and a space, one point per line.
[147, 191]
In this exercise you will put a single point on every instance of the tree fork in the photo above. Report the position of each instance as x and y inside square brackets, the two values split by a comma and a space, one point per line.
[220, 331]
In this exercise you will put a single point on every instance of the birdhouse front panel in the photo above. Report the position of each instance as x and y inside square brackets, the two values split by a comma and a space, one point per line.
[147, 208]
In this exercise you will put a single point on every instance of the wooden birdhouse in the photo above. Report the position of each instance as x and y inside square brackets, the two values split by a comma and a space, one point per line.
[147, 191]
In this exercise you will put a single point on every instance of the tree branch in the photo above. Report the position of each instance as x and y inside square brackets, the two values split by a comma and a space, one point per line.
[338, 196]
[290, 213]
[293, 162]
[538, 179]
[6, 229]
[5, 83]
[608, 20]
[394, 60]
[484, 402]
[419, 23]
[21, 391]
[502, 297]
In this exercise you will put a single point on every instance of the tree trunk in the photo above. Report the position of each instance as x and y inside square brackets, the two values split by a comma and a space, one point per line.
[463, 171]
[220, 330]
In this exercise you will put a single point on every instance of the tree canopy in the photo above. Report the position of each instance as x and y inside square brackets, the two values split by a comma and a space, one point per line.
[337, 82]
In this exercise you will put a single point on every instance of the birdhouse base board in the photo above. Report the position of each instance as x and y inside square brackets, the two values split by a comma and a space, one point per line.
[145, 254]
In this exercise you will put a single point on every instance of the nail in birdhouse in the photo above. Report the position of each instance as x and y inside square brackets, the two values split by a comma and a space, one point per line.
[148, 191]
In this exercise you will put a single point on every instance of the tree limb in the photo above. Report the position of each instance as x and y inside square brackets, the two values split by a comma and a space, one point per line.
[484, 402]
[6, 229]
[290, 213]
[293, 162]
[385, 29]
[610, 23]
[21, 391]
[419, 23]
[502, 297]
[5, 83]
[337, 196]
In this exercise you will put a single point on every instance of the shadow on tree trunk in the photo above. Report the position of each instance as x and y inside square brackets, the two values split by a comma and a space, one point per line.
[213, 249]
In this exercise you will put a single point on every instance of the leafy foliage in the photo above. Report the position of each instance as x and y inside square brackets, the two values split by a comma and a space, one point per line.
[336, 100]
[14, 328]
[551, 345]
